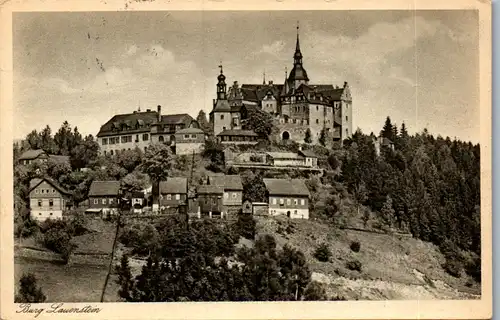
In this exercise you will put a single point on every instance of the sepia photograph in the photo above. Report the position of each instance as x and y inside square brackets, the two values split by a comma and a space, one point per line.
[286, 155]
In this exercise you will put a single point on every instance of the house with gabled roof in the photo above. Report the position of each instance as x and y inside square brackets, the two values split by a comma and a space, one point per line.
[48, 199]
[233, 190]
[288, 197]
[31, 156]
[173, 195]
[104, 196]
[210, 202]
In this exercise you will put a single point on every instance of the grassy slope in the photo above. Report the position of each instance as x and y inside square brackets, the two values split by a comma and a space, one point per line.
[73, 282]
[393, 267]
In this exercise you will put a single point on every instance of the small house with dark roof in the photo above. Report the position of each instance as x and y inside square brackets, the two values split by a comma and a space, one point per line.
[382, 142]
[286, 159]
[48, 199]
[105, 196]
[233, 190]
[288, 197]
[173, 195]
[31, 156]
[189, 140]
[310, 158]
[210, 202]
[238, 137]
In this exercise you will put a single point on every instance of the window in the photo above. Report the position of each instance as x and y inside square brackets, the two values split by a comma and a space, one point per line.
[346, 118]
[317, 120]
[288, 201]
[51, 213]
[169, 197]
[39, 213]
[145, 137]
[103, 201]
[274, 201]
[226, 195]
[282, 201]
[346, 131]
[36, 191]
[235, 195]
[193, 136]
[105, 152]
[161, 139]
[53, 190]
[104, 141]
[42, 190]
[295, 201]
[186, 136]
[39, 203]
[177, 197]
[96, 201]
[51, 203]
[110, 201]
[302, 202]
[222, 117]
[317, 108]
[111, 152]
[136, 138]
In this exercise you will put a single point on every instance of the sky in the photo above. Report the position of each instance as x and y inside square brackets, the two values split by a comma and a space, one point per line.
[418, 67]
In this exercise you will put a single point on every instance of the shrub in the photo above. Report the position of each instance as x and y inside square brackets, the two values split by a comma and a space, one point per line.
[245, 226]
[453, 267]
[315, 291]
[322, 253]
[29, 292]
[355, 246]
[473, 268]
[354, 265]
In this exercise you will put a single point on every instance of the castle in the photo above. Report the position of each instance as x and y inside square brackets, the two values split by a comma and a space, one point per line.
[296, 105]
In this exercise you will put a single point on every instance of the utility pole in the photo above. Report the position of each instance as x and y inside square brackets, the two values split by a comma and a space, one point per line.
[110, 266]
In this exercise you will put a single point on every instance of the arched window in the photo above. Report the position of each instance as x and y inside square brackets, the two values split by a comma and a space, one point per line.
[285, 135]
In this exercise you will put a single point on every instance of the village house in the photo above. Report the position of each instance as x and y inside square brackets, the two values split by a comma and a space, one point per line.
[238, 137]
[137, 201]
[233, 190]
[310, 159]
[31, 156]
[288, 197]
[104, 197]
[382, 142]
[286, 159]
[173, 195]
[48, 199]
[210, 201]
[189, 140]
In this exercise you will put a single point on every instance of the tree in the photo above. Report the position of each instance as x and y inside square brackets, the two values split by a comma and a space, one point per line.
[388, 131]
[84, 154]
[47, 142]
[308, 137]
[387, 212]
[29, 292]
[360, 195]
[203, 122]
[131, 159]
[254, 189]
[322, 137]
[157, 162]
[215, 152]
[315, 291]
[260, 122]
[125, 278]
[135, 181]
[34, 140]
[63, 138]
[245, 226]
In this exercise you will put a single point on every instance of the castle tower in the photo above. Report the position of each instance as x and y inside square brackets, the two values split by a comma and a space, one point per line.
[298, 75]
[220, 116]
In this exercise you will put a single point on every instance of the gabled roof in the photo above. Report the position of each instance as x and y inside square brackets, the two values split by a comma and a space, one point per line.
[130, 119]
[284, 155]
[32, 154]
[35, 182]
[189, 130]
[307, 153]
[238, 132]
[173, 185]
[181, 118]
[286, 187]
[228, 182]
[209, 189]
[104, 188]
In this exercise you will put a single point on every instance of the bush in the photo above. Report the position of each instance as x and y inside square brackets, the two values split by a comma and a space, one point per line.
[245, 226]
[142, 237]
[355, 246]
[322, 253]
[315, 291]
[453, 267]
[473, 268]
[29, 292]
[354, 265]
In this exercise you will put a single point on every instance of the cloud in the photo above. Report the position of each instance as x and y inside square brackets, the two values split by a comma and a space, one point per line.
[275, 49]
[58, 84]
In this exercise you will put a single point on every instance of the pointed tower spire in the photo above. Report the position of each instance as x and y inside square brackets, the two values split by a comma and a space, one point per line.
[285, 85]
[264, 78]
[297, 45]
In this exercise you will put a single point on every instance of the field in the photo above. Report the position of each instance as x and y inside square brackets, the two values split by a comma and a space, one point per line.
[80, 281]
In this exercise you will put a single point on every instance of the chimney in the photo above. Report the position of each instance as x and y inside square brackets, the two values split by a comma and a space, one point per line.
[159, 113]
[345, 84]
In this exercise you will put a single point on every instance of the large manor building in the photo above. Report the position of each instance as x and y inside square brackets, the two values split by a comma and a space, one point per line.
[296, 105]
[140, 129]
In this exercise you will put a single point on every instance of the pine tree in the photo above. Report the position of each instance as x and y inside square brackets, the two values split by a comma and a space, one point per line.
[322, 137]
[308, 137]
[29, 292]
[125, 279]
[388, 131]
[387, 212]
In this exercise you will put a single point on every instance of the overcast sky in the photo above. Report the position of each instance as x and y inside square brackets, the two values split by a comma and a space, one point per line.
[417, 67]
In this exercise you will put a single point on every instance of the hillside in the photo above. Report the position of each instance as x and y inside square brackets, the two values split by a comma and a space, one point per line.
[393, 267]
